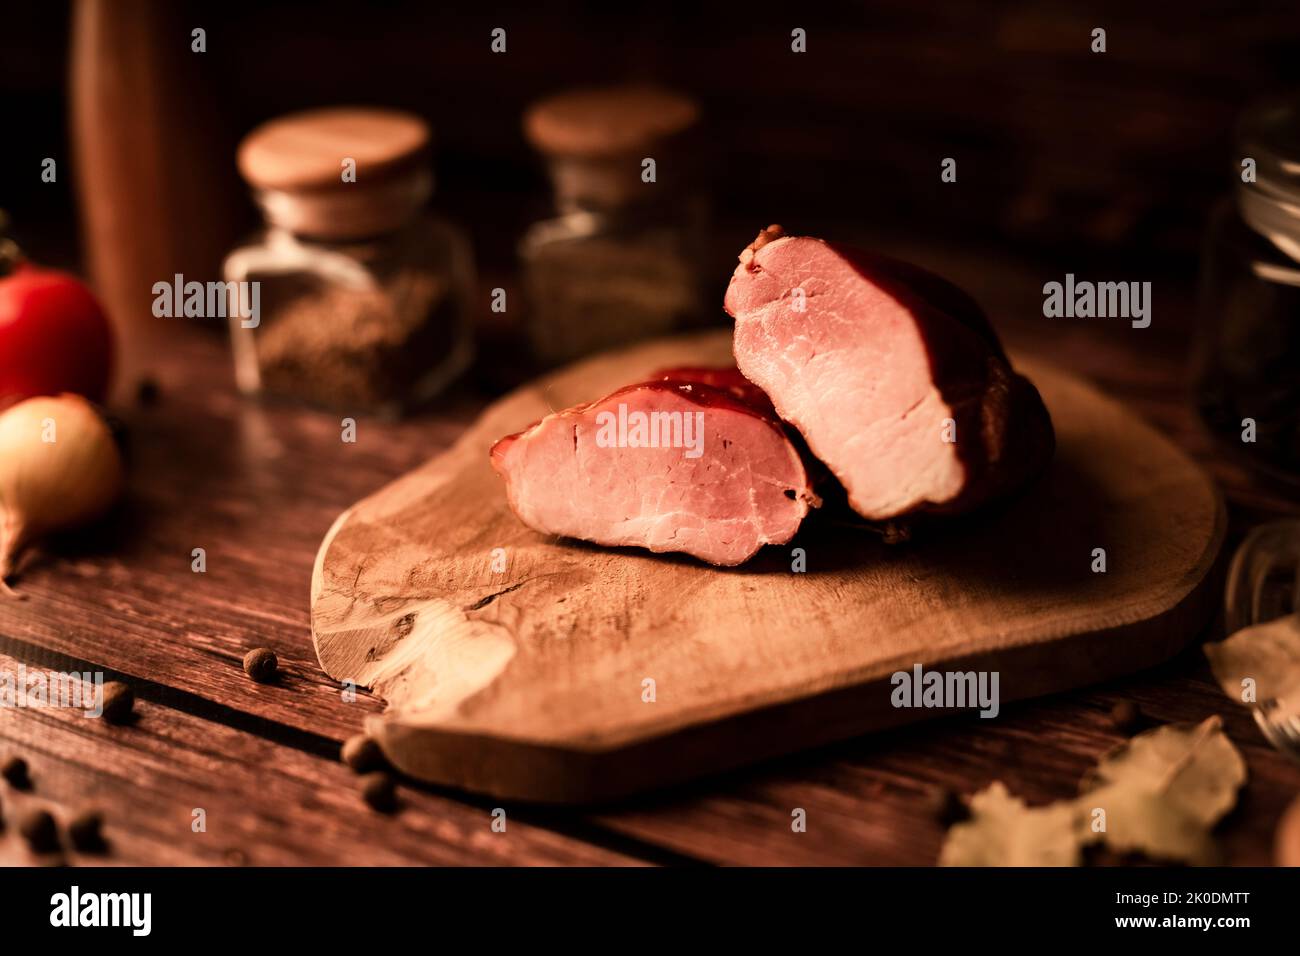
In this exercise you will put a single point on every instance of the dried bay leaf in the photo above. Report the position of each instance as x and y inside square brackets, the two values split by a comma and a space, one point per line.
[1162, 792]
[1145, 822]
[1003, 831]
[1267, 654]
[1194, 769]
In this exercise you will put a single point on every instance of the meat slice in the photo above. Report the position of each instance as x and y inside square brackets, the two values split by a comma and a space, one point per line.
[727, 378]
[893, 376]
[693, 462]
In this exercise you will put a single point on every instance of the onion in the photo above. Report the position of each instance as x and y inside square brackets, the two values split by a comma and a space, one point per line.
[59, 468]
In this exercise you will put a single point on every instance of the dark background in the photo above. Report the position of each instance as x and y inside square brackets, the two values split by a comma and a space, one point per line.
[1054, 143]
[1066, 158]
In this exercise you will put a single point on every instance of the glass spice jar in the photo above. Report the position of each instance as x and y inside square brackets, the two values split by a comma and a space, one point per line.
[1247, 354]
[364, 297]
[620, 259]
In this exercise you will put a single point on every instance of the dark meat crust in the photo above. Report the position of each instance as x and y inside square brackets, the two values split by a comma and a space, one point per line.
[1017, 441]
[709, 388]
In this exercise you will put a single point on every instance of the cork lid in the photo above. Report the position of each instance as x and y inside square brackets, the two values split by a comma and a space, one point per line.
[305, 151]
[610, 121]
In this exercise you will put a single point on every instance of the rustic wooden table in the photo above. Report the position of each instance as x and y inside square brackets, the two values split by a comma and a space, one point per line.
[257, 487]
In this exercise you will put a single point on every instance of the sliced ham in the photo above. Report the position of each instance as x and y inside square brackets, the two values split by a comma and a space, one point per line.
[893, 376]
[712, 473]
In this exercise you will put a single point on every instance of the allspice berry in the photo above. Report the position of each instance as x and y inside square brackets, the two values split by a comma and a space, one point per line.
[362, 754]
[86, 831]
[946, 806]
[261, 664]
[146, 391]
[379, 789]
[1126, 717]
[119, 702]
[40, 831]
[15, 771]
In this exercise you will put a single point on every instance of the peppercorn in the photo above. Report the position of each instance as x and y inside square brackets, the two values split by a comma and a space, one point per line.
[261, 664]
[15, 771]
[362, 754]
[86, 830]
[146, 392]
[40, 831]
[119, 702]
[1126, 717]
[946, 806]
[380, 791]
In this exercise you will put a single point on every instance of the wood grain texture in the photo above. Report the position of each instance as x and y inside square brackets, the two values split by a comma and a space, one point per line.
[264, 803]
[259, 485]
[527, 682]
[867, 801]
[255, 486]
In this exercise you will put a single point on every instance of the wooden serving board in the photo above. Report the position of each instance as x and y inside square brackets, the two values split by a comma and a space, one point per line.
[521, 672]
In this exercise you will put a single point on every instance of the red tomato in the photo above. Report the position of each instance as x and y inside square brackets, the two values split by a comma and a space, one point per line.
[54, 337]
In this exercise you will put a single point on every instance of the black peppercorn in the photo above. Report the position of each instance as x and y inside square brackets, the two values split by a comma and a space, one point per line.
[380, 791]
[119, 702]
[261, 664]
[946, 806]
[146, 392]
[362, 754]
[1126, 717]
[15, 771]
[86, 831]
[40, 831]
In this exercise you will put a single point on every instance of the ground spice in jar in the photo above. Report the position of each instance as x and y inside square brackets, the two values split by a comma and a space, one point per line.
[354, 348]
[620, 258]
[365, 296]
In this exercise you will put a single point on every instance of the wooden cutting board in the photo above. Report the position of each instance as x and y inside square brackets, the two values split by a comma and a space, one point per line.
[517, 664]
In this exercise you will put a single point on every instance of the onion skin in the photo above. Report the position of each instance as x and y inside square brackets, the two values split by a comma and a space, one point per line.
[48, 486]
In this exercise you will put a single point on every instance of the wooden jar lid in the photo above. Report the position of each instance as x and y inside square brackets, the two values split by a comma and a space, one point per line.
[305, 151]
[607, 122]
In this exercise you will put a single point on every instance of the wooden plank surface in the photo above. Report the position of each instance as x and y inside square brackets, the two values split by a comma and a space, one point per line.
[867, 801]
[262, 802]
[259, 487]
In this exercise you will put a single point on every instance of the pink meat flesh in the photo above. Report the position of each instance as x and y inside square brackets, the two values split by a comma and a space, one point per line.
[747, 486]
[893, 376]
